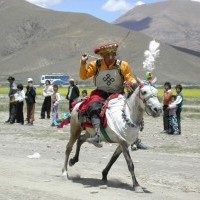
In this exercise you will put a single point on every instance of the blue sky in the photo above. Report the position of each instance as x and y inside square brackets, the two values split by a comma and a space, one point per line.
[107, 10]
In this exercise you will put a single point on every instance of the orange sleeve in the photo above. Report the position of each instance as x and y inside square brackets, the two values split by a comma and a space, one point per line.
[87, 70]
[127, 72]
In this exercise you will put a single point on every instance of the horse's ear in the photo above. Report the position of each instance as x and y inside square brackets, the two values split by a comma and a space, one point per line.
[139, 81]
[154, 81]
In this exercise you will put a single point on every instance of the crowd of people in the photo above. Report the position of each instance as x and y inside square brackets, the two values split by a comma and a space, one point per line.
[17, 96]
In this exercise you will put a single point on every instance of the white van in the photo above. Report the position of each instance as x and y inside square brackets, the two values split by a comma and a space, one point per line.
[55, 78]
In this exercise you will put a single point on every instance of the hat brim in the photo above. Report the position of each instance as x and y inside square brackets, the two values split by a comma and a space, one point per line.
[106, 49]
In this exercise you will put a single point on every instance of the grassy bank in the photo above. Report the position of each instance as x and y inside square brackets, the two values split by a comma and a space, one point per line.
[187, 92]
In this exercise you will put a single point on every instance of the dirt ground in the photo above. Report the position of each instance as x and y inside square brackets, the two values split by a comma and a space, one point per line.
[169, 170]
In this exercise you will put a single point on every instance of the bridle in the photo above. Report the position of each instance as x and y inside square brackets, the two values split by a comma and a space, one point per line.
[145, 100]
[129, 122]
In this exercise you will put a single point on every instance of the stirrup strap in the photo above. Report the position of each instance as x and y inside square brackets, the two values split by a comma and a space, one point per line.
[105, 135]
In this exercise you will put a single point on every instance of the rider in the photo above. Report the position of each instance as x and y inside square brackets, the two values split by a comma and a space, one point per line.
[109, 75]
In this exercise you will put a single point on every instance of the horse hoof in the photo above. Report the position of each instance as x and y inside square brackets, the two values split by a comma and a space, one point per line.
[64, 173]
[138, 189]
[133, 147]
[104, 179]
[71, 162]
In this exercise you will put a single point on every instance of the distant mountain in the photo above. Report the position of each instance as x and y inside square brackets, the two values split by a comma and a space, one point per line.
[175, 22]
[36, 41]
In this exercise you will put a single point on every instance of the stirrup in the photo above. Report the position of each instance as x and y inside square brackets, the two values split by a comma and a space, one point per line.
[95, 140]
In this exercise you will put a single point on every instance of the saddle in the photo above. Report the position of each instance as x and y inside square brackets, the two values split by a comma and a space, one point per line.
[84, 117]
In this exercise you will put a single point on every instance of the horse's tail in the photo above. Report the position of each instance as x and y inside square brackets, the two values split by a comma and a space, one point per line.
[65, 121]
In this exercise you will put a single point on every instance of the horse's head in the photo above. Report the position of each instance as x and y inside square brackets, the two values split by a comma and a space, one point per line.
[148, 95]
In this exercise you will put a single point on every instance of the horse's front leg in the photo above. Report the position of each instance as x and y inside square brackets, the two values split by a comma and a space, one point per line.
[114, 157]
[130, 164]
[80, 141]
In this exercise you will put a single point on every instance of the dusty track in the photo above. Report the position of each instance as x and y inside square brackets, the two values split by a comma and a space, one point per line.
[169, 170]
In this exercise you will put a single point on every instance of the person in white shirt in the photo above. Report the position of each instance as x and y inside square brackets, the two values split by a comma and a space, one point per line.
[19, 98]
[46, 106]
[173, 123]
[179, 104]
[55, 100]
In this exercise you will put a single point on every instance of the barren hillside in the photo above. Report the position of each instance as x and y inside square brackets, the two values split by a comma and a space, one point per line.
[175, 22]
[35, 41]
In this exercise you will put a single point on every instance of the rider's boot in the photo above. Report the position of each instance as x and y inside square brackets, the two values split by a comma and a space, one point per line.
[95, 140]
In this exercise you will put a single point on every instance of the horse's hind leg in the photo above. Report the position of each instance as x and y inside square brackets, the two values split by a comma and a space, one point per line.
[130, 164]
[114, 157]
[75, 133]
[80, 141]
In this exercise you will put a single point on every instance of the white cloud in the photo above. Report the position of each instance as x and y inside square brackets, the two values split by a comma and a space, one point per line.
[139, 3]
[196, 0]
[119, 5]
[45, 3]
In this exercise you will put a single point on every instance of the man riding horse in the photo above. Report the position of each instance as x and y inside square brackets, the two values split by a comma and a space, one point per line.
[109, 75]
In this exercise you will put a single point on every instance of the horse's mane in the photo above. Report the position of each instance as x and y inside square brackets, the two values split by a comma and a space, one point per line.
[130, 88]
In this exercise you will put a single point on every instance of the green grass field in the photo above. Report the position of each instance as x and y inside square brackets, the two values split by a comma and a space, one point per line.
[187, 93]
[39, 90]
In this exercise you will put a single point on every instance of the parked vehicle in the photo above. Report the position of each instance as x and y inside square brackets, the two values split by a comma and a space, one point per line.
[55, 78]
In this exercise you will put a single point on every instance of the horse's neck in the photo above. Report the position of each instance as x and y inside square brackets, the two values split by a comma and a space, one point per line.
[136, 111]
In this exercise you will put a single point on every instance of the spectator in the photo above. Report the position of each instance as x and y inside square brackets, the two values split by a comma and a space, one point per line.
[12, 84]
[55, 100]
[46, 106]
[73, 93]
[81, 98]
[173, 125]
[166, 100]
[84, 94]
[179, 103]
[19, 97]
[30, 101]
[13, 103]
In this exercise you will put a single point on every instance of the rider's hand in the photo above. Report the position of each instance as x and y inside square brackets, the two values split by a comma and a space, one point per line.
[84, 58]
[134, 86]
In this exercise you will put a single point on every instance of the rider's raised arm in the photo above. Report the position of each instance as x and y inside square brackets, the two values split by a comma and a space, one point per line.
[87, 70]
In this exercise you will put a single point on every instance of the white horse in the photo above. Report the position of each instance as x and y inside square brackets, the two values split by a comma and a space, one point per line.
[124, 117]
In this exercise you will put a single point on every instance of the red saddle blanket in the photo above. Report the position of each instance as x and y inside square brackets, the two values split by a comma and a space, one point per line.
[96, 95]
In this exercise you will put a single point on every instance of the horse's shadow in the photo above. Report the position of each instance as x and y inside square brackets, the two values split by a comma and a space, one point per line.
[94, 182]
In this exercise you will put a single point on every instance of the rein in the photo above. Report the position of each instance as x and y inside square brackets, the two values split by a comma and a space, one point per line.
[144, 100]
[124, 116]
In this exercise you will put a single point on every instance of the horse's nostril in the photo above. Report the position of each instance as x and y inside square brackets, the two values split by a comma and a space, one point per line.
[155, 109]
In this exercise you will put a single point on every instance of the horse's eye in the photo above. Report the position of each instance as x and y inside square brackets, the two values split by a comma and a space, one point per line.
[144, 92]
